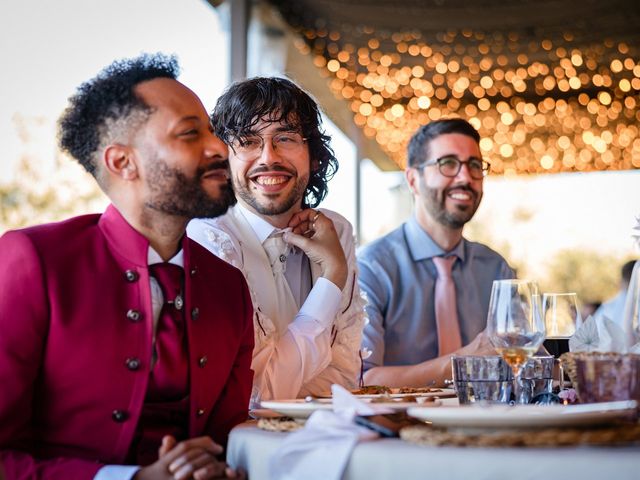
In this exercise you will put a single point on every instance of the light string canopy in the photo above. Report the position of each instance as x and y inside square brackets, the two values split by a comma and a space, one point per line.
[558, 97]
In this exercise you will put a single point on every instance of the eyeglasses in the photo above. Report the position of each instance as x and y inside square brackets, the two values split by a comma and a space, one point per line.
[251, 146]
[450, 166]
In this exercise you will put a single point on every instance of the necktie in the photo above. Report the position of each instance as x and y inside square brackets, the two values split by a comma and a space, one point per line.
[171, 369]
[446, 310]
[276, 249]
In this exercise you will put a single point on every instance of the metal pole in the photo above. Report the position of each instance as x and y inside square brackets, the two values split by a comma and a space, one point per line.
[238, 42]
[358, 185]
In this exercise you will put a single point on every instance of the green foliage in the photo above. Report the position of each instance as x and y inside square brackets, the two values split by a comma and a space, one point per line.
[592, 275]
[39, 193]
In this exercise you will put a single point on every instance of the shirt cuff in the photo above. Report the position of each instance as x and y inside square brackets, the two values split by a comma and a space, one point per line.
[323, 302]
[117, 472]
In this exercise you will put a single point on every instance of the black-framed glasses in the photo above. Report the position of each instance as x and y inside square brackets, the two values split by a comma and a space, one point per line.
[450, 166]
[249, 147]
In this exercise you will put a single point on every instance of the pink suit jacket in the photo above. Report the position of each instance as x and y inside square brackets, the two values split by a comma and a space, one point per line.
[75, 344]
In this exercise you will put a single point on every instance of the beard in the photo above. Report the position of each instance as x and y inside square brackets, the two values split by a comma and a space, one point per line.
[435, 203]
[275, 206]
[173, 193]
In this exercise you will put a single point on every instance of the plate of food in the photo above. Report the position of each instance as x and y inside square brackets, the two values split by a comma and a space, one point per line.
[525, 416]
[302, 408]
[381, 391]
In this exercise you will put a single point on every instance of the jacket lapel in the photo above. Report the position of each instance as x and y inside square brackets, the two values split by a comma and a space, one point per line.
[256, 265]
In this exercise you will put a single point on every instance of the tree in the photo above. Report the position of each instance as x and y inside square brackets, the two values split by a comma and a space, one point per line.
[594, 276]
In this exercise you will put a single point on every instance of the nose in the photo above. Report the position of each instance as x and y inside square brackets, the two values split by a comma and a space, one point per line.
[214, 147]
[269, 154]
[464, 173]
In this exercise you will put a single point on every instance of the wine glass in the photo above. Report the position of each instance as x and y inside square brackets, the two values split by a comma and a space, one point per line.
[561, 318]
[514, 324]
[631, 318]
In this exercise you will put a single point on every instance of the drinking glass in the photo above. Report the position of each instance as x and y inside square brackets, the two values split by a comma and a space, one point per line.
[514, 324]
[631, 318]
[561, 318]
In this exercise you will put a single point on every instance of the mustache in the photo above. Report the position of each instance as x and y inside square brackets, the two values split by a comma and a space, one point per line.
[274, 168]
[464, 188]
[221, 165]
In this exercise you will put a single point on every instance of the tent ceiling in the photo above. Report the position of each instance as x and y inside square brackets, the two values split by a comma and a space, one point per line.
[551, 85]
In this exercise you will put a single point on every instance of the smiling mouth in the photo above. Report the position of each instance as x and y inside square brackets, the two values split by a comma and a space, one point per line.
[270, 180]
[462, 195]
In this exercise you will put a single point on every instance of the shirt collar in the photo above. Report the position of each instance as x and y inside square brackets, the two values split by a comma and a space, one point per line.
[422, 246]
[154, 257]
[259, 225]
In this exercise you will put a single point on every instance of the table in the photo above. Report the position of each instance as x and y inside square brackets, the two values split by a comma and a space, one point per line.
[250, 448]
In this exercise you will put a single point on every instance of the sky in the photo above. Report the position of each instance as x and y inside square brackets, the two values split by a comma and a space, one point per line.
[48, 48]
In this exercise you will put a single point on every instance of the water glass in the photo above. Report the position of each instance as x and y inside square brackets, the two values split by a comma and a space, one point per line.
[536, 378]
[481, 379]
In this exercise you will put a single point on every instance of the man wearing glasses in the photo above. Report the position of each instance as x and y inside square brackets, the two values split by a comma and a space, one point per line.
[299, 262]
[428, 287]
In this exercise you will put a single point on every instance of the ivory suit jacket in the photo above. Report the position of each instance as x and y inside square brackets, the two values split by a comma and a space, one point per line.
[75, 344]
[231, 238]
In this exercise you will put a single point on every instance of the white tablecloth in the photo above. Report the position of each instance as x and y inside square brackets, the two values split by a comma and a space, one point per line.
[384, 459]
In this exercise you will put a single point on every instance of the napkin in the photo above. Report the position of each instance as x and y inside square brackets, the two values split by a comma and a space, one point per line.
[321, 450]
[600, 335]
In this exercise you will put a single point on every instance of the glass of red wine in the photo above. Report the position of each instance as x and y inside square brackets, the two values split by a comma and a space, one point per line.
[561, 318]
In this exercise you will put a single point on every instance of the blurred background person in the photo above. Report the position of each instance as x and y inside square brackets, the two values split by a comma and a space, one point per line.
[613, 309]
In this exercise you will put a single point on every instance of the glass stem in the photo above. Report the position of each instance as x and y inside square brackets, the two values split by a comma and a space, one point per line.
[518, 387]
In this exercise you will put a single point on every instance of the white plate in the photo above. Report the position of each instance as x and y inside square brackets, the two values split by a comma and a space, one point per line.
[505, 416]
[299, 408]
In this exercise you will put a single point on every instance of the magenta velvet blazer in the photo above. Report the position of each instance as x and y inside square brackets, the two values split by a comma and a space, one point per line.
[75, 310]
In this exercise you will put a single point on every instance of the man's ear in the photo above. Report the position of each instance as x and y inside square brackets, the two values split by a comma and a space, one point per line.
[412, 176]
[120, 161]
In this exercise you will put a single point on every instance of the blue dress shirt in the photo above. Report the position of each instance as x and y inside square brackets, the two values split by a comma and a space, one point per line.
[398, 276]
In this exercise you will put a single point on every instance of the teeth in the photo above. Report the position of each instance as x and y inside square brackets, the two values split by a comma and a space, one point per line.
[460, 196]
[270, 180]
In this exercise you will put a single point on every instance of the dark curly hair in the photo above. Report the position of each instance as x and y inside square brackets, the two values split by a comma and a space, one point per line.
[106, 104]
[418, 149]
[246, 103]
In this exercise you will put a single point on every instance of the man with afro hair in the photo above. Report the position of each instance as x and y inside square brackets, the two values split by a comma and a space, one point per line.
[126, 347]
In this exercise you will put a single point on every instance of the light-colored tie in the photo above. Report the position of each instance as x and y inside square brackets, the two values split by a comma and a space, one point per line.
[446, 309]
[277, 250]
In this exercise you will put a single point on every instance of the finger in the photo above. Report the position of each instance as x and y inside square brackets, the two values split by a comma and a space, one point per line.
[239, 473]
[202, 443]
[168, 442]
[302, 216]
[204, 465]
[196, 457]
[296, 240]
[210, 471]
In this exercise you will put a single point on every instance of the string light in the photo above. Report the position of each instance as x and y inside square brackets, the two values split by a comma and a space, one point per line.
[563, 102]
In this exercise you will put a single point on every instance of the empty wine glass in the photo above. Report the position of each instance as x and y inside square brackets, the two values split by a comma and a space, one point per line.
[514, 324]
[561, 318]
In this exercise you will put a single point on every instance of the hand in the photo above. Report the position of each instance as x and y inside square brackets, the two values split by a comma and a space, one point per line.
[316, 236]
[191, 459]
[478, 346]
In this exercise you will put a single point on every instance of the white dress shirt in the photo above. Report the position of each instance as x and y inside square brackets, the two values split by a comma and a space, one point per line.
[321, 344]
[613, 309]
[126, 472]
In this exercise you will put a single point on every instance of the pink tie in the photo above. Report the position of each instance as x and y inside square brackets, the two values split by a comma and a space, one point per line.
[446, 309]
